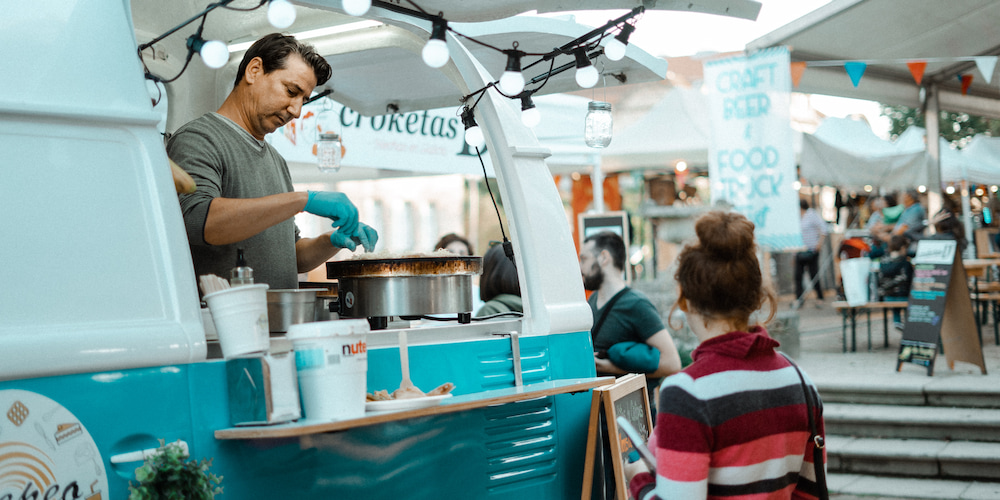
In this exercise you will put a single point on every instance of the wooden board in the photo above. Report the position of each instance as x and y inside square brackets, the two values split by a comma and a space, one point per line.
[626, 397]
[449, 405]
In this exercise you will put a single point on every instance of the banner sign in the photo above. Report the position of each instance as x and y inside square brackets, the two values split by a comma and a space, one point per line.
[429, 142]
[751, 161]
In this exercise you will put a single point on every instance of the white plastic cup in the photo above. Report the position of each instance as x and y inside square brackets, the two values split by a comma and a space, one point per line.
[331, 358]
[240, 317]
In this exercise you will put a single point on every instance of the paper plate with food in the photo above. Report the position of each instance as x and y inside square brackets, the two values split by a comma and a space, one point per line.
[406, 398]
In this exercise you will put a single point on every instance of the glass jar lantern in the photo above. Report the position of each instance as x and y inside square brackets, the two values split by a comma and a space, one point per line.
[597, 132]
[328, 152]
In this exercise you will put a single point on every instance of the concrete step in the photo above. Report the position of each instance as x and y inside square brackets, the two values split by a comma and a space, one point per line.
[941, 392]
[869, 487]
[912, 422]
[914, 458]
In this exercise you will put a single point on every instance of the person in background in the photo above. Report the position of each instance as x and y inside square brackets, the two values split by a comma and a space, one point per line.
[814, 232]
[498, 285]
[896, 275]
[621, 314]
[734, 423]
[455, 244]
[911, 223]
[244, 197]
[948, 227]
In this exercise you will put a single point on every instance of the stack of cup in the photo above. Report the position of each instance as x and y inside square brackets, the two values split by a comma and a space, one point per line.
[332, 362]
[240, 318]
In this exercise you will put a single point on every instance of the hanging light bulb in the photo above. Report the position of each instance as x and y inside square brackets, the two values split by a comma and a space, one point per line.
[586, 73]
[214, 53]
[435, 53]
[512, 80]
[615, 49]
[530, 116]
[473, 134]
[281, 14]
[598, 124]
[356, 7]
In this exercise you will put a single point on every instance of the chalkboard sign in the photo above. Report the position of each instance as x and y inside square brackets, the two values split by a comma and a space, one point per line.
[939, 310]
[627, 398]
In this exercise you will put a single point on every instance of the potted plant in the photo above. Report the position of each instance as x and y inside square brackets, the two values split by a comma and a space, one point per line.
[167, 475]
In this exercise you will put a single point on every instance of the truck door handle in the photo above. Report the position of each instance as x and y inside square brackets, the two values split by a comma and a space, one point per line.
[140, 455]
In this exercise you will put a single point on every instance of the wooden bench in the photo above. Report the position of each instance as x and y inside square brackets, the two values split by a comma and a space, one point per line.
[992, 299]
[849, 312]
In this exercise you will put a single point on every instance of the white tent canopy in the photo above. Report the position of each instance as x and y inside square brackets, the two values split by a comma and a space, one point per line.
[846, 153]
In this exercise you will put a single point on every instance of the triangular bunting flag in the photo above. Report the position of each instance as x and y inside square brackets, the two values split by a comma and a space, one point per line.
[986, 65]
[917, 70]
[966, 82]
[797, 68]
[855, 69]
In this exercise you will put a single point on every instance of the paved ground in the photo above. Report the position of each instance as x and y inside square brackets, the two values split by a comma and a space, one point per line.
[822, 358]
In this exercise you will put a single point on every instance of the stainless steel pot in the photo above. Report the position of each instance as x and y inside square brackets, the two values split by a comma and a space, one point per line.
[290, 307]
[405, 287]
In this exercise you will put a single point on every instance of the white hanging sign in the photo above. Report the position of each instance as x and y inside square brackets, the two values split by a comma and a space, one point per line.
[751, 162]
[428, 142]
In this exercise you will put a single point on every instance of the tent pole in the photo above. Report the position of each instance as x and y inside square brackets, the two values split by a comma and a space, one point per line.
[932, 115]
[597, 180]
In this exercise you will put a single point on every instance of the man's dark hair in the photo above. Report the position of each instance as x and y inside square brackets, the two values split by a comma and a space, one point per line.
[274, 49]
[803, 204]
[607, 240]
[499, 275]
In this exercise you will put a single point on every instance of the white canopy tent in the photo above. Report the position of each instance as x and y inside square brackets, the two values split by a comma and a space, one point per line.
[846, 153]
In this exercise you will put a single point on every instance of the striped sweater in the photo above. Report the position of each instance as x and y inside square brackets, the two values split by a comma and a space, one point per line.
[733, 425]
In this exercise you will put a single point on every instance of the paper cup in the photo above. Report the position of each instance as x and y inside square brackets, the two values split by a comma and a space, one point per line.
[331, 358]
[240, 318]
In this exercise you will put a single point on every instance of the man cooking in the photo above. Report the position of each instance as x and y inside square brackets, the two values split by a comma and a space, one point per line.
[244, 197]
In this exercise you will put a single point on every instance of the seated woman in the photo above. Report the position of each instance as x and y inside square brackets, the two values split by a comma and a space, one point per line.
[498, 285]
[736, 422]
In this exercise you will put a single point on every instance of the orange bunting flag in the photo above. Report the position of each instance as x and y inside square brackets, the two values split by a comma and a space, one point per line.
[797, 68]
[917, 70]
[966, 82]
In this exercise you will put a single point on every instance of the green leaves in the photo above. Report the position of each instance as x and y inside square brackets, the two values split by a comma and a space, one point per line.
[168, 476]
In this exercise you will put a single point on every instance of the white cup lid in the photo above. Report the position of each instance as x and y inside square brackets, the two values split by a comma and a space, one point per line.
[330, 328]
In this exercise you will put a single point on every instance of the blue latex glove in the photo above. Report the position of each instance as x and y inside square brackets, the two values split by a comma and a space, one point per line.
[366, 237]
[336, 207]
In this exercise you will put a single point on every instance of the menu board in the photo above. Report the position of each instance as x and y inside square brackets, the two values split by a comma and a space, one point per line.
[939, 312]
[626, 397]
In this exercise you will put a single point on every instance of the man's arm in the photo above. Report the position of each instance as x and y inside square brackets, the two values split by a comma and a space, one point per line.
[670, 359]
[312, 252]
[233, 219]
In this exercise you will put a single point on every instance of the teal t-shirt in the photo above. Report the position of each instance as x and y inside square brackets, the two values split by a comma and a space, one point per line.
[632, 318]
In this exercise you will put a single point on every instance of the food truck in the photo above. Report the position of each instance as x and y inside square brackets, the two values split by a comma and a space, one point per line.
[103, 349]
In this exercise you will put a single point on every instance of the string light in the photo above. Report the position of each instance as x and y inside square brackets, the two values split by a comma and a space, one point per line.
[615, 49]
[586, 73]
[356, 7]
[530, 116]
[473, 134]
[512, 81]
[435, 53]
[213, 53]
[280, 13]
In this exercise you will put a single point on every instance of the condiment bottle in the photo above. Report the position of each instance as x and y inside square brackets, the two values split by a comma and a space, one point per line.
[241, 274]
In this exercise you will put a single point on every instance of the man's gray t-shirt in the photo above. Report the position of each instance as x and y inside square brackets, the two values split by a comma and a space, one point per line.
[226, 161]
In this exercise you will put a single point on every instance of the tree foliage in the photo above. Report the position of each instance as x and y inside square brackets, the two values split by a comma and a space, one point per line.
[956, 128]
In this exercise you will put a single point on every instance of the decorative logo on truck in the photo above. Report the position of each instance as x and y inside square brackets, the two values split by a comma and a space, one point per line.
[45, 452]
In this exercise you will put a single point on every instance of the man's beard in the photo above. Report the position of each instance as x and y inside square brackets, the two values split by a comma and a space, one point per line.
[595, 279]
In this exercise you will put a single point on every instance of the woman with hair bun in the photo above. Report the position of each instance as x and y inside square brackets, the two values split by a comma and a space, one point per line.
[735, 423]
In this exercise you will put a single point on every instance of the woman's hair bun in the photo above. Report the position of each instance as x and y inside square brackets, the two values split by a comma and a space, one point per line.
[725, 235]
